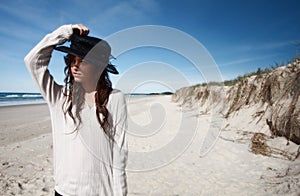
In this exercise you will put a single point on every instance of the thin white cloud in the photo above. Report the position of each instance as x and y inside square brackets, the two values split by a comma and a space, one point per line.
[25, 21]
[42, 17]
[250, 52]
[147, 5]
[237, 61]
[264, 46]
[244, 60]
[123, 14]
[133, 8]
[30, 14]
[17, 33]
[275, 45]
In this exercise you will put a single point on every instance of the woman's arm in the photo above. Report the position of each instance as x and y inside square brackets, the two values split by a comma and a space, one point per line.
[37, 60]
[120, 152]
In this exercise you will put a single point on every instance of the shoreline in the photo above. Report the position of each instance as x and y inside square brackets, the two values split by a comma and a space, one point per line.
[21, 105]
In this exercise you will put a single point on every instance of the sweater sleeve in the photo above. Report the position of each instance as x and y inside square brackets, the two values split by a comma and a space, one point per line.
[37, 61]
[120, 148]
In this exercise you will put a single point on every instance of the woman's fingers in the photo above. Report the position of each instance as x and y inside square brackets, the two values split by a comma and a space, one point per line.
[83, 30]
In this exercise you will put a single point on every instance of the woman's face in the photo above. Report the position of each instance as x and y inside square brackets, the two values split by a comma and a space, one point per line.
[83, 71]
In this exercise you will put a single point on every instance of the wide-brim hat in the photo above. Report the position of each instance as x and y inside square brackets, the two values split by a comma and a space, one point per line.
[92, 49]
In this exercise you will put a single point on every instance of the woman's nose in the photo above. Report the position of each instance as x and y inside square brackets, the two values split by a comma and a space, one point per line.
[76, 65]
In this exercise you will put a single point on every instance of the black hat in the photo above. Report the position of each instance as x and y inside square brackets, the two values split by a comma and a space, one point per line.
[91, 49]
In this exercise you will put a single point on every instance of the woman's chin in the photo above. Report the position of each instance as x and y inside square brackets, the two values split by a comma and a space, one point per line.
[77, 80]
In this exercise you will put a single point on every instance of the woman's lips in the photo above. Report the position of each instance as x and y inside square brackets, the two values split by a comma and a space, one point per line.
[76, 74]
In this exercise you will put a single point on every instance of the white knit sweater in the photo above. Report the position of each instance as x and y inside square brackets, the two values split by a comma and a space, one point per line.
[85, 162]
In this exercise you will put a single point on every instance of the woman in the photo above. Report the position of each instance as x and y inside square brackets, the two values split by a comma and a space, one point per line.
[88, 117]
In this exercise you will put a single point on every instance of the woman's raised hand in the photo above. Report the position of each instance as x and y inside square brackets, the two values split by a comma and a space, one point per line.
[80, 29]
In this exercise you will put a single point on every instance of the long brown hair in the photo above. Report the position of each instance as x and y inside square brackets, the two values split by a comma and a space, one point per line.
[103, 90]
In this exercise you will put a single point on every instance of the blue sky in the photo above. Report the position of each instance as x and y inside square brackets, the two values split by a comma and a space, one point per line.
[239, 35]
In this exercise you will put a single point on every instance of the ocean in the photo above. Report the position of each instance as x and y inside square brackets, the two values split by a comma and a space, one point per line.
[13, 98]
[16, 98]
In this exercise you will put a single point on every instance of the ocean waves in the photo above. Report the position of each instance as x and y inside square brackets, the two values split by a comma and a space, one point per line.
[19, 98]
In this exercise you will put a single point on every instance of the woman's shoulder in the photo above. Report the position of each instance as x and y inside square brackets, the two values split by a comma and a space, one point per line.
[116, 101]
[117, 95]
[116, 92]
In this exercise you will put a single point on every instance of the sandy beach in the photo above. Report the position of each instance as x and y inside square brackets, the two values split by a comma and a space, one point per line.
[164, 154]
[24, 122]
